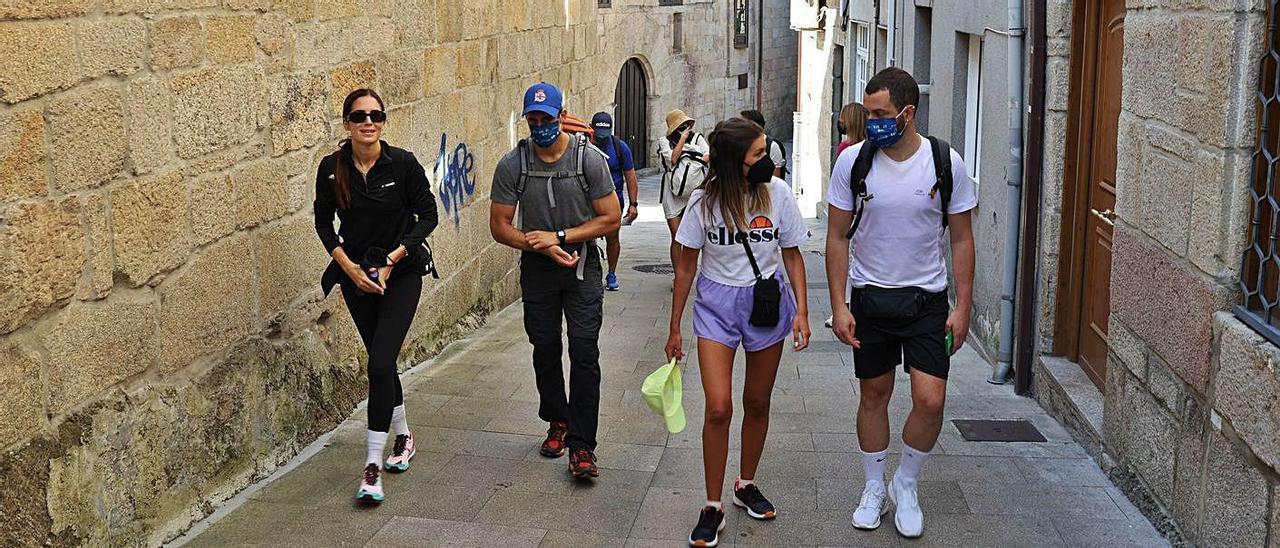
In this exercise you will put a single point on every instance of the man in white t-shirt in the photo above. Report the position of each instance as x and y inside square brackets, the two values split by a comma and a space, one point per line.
[897, 277]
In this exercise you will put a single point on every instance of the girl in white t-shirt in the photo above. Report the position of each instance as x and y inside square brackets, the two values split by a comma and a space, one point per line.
[740, 206]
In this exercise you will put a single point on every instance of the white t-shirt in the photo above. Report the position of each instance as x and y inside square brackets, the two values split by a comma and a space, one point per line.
[900, 241]
[723, 258]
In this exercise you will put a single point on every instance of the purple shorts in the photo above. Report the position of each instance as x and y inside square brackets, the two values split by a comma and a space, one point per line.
[721, 313]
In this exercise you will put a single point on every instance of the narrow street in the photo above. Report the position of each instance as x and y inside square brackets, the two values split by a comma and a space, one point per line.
[478, 479]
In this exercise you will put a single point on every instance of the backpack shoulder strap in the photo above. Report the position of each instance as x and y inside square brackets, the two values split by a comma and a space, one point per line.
[858, 183]
[523, 147]
[944, 183]
[580, 162]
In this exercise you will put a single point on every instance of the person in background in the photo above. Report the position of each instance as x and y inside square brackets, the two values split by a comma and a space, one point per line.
[680, 137]
[623, 169]
[777, 152]
[852, 126]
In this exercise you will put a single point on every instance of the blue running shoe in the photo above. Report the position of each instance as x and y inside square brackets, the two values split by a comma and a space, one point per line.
[611, 282]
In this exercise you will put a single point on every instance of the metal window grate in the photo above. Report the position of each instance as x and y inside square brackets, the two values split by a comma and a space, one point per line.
[741, 23]
[1260, 265]
[604, 3]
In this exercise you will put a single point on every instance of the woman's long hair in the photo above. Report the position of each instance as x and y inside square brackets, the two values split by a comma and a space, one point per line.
[725, 186]
[341, 170]
[854, 118]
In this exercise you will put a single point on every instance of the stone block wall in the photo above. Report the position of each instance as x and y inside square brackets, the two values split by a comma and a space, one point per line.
[1190, 420]
[779, 78]
[163, 341]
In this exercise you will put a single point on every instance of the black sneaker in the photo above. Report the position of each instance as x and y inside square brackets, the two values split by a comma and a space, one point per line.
[750, 498]
[707, 532]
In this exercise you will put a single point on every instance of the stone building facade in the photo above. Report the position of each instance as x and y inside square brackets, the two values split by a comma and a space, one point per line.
[960, 57]
[1186, 419]
[1153, 124]
[163, 340]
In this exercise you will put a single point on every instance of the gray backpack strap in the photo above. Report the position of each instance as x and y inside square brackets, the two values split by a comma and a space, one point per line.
[581, 173]
[523, 146]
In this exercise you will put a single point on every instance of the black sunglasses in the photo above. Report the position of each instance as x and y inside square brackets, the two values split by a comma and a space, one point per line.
[359, 116]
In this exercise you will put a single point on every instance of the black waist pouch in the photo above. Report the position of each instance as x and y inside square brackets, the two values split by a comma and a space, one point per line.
[881, 303]
[766, 301]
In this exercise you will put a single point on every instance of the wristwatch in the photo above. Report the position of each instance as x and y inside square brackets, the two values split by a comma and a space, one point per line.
[563, 237]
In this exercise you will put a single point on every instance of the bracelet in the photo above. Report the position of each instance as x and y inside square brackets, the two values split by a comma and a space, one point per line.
[391, 262]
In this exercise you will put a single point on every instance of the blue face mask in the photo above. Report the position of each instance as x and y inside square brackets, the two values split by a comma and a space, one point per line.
[884, 132]
[546, 134]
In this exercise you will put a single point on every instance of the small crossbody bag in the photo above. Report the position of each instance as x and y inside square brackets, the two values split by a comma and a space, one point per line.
[766, 298]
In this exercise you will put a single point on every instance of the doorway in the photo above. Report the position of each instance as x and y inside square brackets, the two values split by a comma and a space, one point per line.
[1089, 190]
[631, 111]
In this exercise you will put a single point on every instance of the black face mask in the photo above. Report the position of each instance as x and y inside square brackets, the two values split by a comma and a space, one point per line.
[761, 172]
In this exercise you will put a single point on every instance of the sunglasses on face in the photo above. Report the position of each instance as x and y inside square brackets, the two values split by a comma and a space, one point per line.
[359, 116]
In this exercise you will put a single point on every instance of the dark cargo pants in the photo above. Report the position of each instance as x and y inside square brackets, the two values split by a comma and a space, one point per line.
[550, 292]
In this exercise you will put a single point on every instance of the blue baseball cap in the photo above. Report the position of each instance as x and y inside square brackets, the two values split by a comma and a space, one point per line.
[602, 123]
[545, 98]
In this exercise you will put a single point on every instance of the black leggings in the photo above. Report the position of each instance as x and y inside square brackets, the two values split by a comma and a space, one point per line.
[383, 322]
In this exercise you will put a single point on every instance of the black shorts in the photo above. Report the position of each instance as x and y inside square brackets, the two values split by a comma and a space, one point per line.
[919, 336]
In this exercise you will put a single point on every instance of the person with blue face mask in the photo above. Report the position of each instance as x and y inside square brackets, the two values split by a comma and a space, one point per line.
[895, 274]
[565, 199]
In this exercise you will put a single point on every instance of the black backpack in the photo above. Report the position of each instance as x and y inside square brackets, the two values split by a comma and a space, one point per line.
[943, 183]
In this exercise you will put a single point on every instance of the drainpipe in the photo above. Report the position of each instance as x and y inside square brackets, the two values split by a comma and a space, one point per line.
[1013, 177]
[1031, 207]
[760, 58]
[891, 51]
[873, 40]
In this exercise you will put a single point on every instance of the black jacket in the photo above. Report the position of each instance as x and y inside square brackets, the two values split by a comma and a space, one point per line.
[393, 206]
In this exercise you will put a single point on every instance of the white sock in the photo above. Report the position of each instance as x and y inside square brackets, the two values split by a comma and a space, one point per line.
[873, 465]
[912, 462]
[715, 504]
[399, 424]
[375, 442]
[740, 483]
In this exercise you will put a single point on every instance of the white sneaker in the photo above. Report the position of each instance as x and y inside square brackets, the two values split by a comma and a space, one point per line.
[907, 515]
[872, 506]
[370, 484]
[401, 454]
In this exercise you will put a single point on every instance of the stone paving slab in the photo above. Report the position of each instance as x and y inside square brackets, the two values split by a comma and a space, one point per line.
[479, 481]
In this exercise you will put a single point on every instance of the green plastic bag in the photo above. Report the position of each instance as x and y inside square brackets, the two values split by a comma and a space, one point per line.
[662, 390]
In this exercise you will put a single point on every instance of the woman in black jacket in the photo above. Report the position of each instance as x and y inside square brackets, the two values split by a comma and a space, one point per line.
[381, 195]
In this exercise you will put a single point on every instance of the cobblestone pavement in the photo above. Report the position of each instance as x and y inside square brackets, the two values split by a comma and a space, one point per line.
[478, 479]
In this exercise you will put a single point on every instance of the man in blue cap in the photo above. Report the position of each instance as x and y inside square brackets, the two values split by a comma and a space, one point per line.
[566, 201]
[621, 167]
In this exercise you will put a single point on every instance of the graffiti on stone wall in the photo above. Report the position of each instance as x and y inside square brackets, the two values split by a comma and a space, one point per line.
[455, 176]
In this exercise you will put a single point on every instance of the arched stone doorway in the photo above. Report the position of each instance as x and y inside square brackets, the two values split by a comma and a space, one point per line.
[631, 110]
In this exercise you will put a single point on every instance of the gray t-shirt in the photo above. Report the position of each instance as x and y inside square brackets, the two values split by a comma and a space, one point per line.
[558, 203]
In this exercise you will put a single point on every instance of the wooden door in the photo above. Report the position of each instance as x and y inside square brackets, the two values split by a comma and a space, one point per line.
[631, 111]
[1091, 186]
